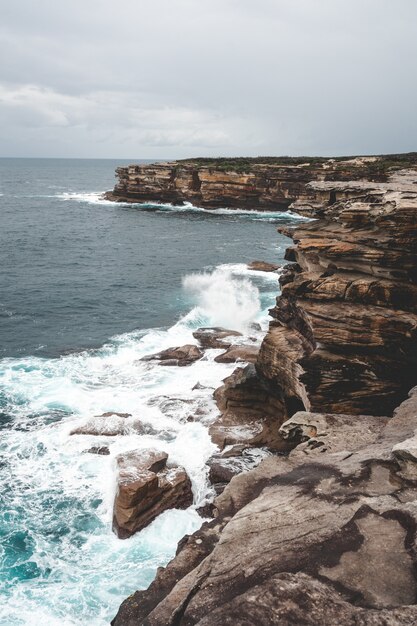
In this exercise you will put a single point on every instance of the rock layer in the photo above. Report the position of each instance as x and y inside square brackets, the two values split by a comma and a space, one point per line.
[315, 538]
[327, 533]
[262, 183]
[145, 488]
[344, 335]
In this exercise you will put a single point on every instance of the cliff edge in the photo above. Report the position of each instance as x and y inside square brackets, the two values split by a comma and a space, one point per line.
[264, 183]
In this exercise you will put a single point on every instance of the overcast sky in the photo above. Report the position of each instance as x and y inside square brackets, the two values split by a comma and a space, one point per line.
[176, 78]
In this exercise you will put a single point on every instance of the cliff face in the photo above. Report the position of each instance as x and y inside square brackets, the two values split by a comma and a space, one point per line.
[327, 534]
[260, 184]
[344, 339]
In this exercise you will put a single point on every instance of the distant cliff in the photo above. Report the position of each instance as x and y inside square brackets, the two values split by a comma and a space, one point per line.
[267, 183]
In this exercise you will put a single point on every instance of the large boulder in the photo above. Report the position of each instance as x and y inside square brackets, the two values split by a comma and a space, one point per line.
[183, 355]
[145, 488]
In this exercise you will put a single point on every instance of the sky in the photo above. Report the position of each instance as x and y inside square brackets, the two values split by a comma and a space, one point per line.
[166, 79]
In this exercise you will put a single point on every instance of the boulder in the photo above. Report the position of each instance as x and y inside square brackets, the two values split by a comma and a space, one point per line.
[234, 354]
[214, 337]
[110, 425]
[181, 356]
[102, 450]
[262, 266]
[145, 488]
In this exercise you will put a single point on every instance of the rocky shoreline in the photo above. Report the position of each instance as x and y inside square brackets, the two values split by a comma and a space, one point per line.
[320, 526]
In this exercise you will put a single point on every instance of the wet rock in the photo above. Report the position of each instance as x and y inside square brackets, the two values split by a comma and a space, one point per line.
[102, 450]
[262, 266]
[199, 387]
[234, 354]
[304, 539]
[224, 466]
[145, 488]
[251, 413]
[181, 356]
[215, 337]
[110, 425]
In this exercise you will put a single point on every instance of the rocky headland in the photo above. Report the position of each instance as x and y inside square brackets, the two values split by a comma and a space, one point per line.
[269, 183]
[315, 521]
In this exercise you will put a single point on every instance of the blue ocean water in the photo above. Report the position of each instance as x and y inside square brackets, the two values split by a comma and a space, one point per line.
[87, 287]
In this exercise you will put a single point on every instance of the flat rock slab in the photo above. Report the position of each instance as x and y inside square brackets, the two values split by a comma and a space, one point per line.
[247, 354]
[110, 425]
[145, 488]
[215, 337]
[262, 266]
[180, 356]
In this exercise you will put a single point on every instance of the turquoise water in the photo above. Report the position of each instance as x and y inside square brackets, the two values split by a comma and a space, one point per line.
[87, 288]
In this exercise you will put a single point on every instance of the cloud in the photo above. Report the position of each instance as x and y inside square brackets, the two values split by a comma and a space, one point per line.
[174, 78]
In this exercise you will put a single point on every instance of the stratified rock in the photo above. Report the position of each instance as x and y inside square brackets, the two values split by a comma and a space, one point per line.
[344, 335]
[247, 354]
[110, 425]
[250, 412]
[262, 266]
[184, 355]
[224, 466]
[214, 337]
[324, 538]
[146, 488]
[259, 183]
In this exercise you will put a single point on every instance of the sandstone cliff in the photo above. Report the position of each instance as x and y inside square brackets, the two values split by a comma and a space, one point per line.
[328, 533]
[261, 183]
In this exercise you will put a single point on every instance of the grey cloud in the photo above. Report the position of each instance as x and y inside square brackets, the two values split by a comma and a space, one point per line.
[174, 78]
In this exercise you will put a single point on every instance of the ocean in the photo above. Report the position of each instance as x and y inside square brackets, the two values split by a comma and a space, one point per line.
[88, 287]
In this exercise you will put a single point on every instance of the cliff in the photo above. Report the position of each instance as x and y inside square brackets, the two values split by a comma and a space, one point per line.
[327, 533]
[259, 183]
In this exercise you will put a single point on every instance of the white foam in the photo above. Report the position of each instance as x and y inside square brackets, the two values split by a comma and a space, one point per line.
[97, 197]
[63, 497]
[228, 301]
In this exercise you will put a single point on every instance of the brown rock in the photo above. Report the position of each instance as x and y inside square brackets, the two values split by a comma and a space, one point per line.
[184, 355]
[250, 412]
[262, 266]
[214, 337]
[322, 535]
[146, 488]
[233, 354]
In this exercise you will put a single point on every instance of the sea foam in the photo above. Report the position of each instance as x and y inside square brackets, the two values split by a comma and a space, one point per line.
[61, 562]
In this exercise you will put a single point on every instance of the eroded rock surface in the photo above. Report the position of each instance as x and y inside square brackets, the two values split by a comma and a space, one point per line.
[111, 425]
[262, 266]
[312, 538]
[183, 355]
[326, 534]
[145, 488]
[260, 183]
[215, 337]
[248, 354]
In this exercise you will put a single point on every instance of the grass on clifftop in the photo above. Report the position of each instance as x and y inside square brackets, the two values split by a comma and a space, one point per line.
[379, 167]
